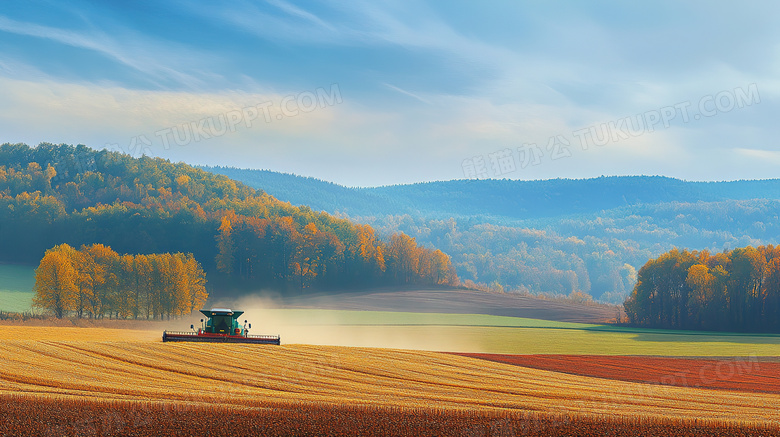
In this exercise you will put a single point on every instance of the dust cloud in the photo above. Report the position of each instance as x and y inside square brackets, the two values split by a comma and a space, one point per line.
[268, 315]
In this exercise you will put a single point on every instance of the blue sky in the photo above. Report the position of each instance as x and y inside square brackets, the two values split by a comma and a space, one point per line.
[372, 93]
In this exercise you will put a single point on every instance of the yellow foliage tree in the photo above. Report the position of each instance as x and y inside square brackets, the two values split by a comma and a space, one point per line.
[98, 281]
[197, 282]
[56, 278]
[405, 257]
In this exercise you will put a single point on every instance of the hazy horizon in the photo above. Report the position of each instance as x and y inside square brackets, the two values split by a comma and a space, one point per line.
[493, 179]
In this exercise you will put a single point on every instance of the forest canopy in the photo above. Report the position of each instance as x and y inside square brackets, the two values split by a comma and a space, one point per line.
[738, 290]
[55, 194]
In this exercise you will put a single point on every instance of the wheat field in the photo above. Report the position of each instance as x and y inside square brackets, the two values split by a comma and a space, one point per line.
[127, 365]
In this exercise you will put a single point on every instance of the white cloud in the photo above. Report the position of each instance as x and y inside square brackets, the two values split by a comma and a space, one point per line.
[760, 156]
[109, 113]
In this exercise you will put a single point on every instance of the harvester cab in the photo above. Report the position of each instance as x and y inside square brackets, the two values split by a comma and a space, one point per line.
[221, 326]
[223, 321]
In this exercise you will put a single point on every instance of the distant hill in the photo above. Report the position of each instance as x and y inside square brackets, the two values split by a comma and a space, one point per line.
[317, 194]
[503, 198]
[558, 236]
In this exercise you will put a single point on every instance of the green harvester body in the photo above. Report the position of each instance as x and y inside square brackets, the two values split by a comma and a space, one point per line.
[221, 326]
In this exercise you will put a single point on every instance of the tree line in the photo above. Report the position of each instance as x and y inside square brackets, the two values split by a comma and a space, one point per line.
[736, 290]
[276, 250]
[95, 282]
[245, 238]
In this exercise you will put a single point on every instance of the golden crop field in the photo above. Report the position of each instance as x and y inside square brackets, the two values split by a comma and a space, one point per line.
[127, 365]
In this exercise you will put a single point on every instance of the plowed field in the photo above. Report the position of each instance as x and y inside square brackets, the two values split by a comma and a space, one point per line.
[741, 373]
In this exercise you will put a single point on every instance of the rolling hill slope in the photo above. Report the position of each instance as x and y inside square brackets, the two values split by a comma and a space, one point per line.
[244, 238]
[553, 236]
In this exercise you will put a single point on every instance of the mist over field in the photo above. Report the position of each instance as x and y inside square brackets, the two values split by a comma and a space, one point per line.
[347, 328]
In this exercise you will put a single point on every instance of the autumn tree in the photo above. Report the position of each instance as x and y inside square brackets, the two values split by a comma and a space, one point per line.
[404, 257]
[196, 282]
[106, 276]
[56, 282]
[735, 290]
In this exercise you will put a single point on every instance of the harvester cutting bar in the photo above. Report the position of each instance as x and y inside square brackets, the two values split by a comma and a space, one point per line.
[219, 338]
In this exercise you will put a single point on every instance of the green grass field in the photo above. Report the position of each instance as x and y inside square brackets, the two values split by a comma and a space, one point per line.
[16, 285]
[495, 334]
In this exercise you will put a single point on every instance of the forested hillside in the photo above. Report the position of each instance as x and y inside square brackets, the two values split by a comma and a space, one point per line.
[244, 238]
[556, 236]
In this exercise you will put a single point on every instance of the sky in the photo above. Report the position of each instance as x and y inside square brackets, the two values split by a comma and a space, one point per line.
[368, 93]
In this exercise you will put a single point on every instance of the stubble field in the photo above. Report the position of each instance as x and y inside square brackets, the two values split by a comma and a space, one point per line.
[122, 382]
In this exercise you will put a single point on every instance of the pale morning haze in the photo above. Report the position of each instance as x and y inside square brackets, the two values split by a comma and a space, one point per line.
[374, 93]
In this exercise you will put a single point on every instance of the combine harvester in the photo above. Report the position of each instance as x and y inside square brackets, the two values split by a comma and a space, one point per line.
[221, 326]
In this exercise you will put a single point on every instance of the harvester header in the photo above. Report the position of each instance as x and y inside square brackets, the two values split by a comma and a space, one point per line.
[221, 326]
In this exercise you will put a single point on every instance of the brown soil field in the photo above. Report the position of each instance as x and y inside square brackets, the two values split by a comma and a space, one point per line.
[35, 416]
[457, 301]
[751, 374]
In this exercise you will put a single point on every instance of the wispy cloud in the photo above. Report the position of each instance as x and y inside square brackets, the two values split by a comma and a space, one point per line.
[300, 13]
[407, 93]
[294, 24]
[152, 59]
